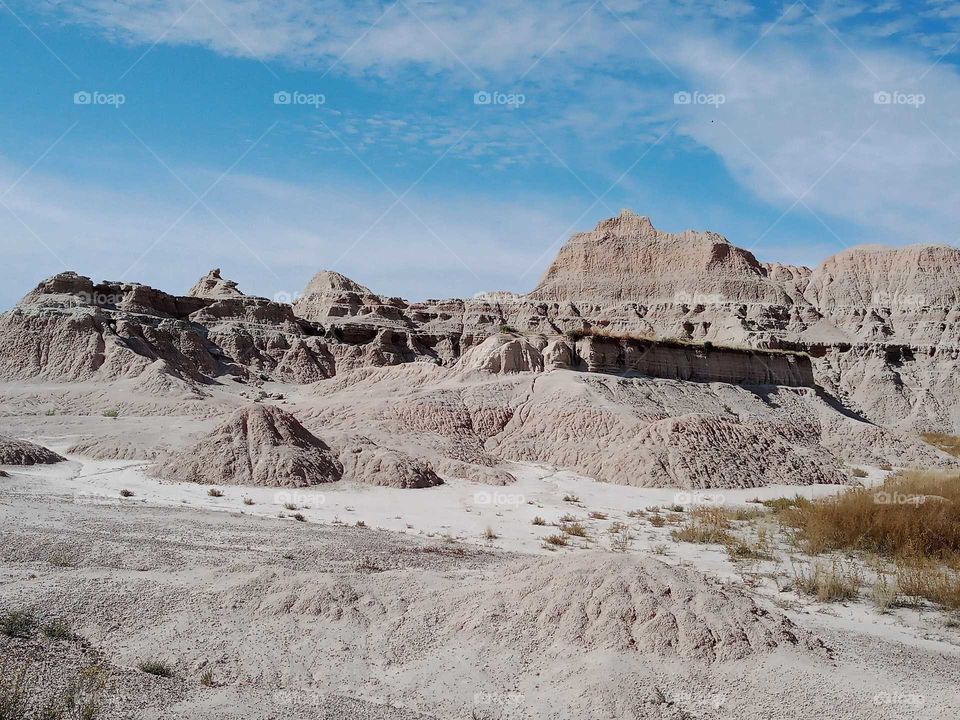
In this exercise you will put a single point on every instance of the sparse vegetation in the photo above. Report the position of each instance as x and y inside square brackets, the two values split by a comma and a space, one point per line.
[836, 581]
[621, 539]
[248, 501]
[705, 525]
[299, 517]
[760, 549]
[558, 540]
[570, 498]
[574, 529]
[538, 521]
[15, 689]
[509, 329]
[657, 520]
[111, 413]
[567, 517]
[858, 473]
[206, 679]
[489, 534]
[17, 623]
[949, 444]
[57, 630]
[911, 514]
[215, 492]
[126, 493]
[155, 667]
[360, 524]
[597, 515]
[63, 558]
[290, 506]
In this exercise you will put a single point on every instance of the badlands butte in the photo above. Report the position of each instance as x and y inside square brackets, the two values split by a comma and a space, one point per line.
[641, 358]
[218, 506]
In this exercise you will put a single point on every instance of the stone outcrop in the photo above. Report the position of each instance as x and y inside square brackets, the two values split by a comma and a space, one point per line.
[257, 445]
[212, 285]
[22, 452]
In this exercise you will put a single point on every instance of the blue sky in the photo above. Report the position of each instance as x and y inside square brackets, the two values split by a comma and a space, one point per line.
[811, 127]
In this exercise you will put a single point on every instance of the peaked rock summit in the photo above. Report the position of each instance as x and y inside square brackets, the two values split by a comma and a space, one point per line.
[257, 445]
[626, 259]
[212, 285]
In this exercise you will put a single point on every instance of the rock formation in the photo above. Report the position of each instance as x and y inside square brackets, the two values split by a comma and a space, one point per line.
[22, 452]
[257, 445]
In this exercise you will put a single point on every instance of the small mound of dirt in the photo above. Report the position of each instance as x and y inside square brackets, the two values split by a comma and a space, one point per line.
[257, 445]
[22, 452]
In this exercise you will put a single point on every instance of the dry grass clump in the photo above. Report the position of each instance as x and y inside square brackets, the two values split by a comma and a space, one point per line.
[657, 520]
[571, 498]
[834, 582]
[538, 521]
[557, 540]
[215, 492]
[921, 579]
[489, 534]
[950, 444]
[17, 623]
[574, 529]
[597, 515]
[705, 525]
[760, 549]
[126, 493]
[155, 667]
[911, 514]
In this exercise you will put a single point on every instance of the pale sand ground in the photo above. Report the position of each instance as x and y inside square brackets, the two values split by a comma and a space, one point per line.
[174, 543]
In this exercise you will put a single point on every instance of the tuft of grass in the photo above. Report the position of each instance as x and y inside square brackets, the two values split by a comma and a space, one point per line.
[597, 515]
[206, 679]
[635, 513]
[834, 582]
[949, 444]
[155, 667]
[574, 529]
[299, 517]
[126, 493]
[883, 592]
[657, 520]
[705, 525]
[538, 521]
[111, 413]
[571, 498]
[360, 524]
[558, 540]
[858, 473]
[761, 549]
[17, 623]
[567, 517]
[57, 630]
[290, 506]
[621, 539]
[215, 492]
[913, 513]
[781, 504]
[509, 329]
[248, 501]
[660, 549]
[920, 578]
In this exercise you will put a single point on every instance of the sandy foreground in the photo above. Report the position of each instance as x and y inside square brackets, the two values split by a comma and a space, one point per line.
[419, 613]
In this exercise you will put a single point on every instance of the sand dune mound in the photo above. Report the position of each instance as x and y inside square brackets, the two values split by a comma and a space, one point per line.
[22, 452]
[257, 445]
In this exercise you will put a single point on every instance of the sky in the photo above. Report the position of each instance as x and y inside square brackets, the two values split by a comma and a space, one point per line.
[434, 149]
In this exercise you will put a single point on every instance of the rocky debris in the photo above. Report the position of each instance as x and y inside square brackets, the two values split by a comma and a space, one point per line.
[257, 445]
[212, 285]
[22, 452]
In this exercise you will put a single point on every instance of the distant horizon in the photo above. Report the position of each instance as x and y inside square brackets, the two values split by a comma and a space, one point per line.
[226, 275]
